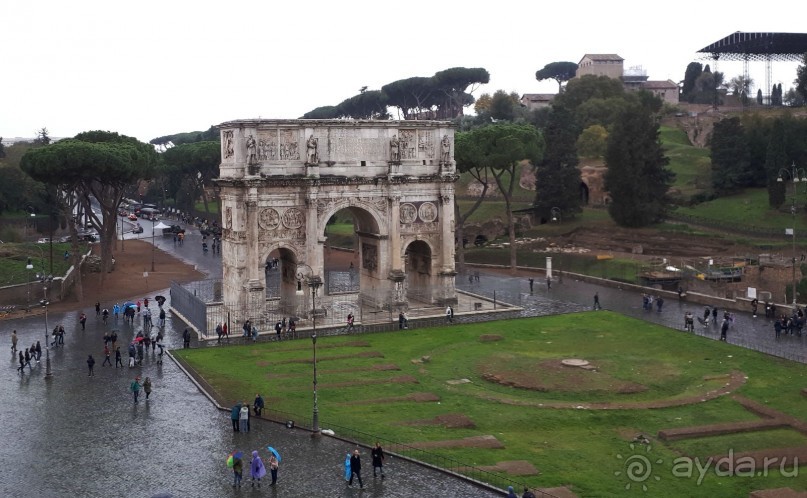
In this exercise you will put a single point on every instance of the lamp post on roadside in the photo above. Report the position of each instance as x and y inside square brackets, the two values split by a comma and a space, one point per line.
[29, 267]
[796, 175]
[45, 279]
[314, 282]
[152, 243]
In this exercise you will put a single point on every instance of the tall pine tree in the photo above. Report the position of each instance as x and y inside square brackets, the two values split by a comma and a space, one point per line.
[637, 178]
[730, 160]
[557, 178]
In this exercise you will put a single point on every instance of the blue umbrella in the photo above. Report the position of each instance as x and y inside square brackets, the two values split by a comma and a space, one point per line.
[127, 304]
[274, 452]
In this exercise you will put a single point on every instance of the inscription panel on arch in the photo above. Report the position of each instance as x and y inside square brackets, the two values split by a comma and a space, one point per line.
[351, 145]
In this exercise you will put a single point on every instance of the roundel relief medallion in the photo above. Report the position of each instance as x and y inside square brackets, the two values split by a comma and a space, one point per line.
[268, 219]
[293, 218]
[408, 212]
[427, 212]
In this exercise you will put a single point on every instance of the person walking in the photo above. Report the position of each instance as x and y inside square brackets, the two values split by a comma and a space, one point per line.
[754, 305]
[14, 342]
[511, 493]
[28, 359]
[258, 405]
[238, 469]
[273, 466]
[377, 455]
[147, 387]
[90, 365]
[257, 469]
[350, 320]
[219, 332]
[97, 309]
[532, 283]
[82, 319]
[400, 320]
[135, 388]
[21, 368]
[186, 339]
[235, 413]
[355, 468]
[107, 357]
[118, 358]
[548, 282]
[243, 418]
[162, 318]
[528, 494]
[597, 301]
[38, 351]
[723, 329]
[659, 303]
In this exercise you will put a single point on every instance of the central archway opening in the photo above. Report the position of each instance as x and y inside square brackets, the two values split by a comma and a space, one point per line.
[280, 273]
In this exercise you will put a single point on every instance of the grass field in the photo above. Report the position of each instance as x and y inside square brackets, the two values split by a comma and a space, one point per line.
[14, 258]
[636, 362]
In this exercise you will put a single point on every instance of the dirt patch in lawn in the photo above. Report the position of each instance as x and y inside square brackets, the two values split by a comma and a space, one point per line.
[448, 420]
[734, 382]
[368, 354]
[487, 441]
[404, 379]
[552, 376]
[512, 467]
[490, 338]
[414, 397]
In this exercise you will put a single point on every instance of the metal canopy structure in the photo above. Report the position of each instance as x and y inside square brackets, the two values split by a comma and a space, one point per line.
[741, 46]
[767, 47]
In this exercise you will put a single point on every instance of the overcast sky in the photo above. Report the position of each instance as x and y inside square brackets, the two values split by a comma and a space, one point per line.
[152, 68]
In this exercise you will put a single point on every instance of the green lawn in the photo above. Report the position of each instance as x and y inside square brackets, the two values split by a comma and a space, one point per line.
[749, 208]
[14, 258]
[692, 165]
[587, 449]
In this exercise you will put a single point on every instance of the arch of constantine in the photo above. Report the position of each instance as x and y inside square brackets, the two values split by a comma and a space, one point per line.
[280, 183]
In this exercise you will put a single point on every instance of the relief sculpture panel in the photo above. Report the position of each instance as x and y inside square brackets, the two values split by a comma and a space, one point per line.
[268, 219]
[289, 149]
[293, 218]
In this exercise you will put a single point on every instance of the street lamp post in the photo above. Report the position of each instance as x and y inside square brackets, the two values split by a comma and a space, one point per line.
[305, 272]
[152, 243]
[796, 175]
[29, 267]
[45, 279]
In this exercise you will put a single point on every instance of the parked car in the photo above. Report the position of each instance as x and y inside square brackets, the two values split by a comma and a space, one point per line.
[173, 229]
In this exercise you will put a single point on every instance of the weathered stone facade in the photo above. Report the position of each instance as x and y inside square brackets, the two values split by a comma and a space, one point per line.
[282, 180]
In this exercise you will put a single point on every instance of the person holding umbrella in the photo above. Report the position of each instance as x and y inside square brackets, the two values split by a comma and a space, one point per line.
[238, 468]
[274, 463]
[258, 405]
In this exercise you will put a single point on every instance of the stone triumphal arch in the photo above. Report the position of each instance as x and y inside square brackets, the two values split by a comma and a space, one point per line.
[281, 181]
